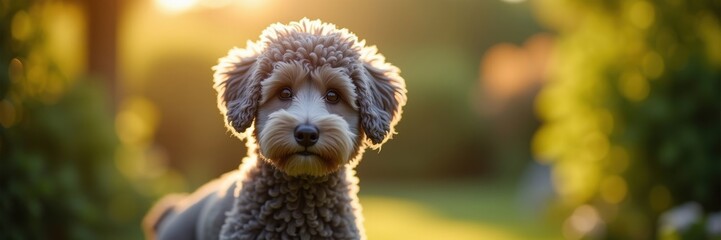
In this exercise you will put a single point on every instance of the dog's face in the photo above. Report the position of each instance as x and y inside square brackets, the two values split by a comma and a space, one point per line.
[316, 95]
[308, 119]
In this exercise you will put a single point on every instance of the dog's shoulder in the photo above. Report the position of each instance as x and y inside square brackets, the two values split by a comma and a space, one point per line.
[217, 203]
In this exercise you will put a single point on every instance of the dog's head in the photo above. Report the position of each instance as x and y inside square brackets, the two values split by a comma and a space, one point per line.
[312, 95]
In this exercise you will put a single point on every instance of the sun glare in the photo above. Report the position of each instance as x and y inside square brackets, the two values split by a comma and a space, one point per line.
[513, 1]
[175, 6]
[178, 6]
[253, 4]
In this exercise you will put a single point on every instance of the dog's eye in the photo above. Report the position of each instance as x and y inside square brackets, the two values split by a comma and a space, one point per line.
[285, 94]
[332, 96]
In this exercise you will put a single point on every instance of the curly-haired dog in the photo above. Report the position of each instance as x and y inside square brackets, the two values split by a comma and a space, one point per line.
[308, 98]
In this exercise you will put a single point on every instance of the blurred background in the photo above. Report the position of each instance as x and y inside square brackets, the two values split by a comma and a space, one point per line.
[527, 119]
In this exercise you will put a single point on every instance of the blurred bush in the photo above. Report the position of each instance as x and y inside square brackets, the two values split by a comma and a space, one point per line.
[631, 114]
[57, 141]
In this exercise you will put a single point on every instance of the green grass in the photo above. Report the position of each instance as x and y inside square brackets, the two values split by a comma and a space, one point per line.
[449, 211]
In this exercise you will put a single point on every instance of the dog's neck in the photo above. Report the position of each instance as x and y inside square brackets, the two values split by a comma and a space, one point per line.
[272, 205]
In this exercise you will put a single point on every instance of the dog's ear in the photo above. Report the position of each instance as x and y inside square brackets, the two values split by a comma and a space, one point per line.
[238, 84]
[381, 96]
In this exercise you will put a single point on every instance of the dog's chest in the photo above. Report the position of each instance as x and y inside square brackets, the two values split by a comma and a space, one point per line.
[275, 206]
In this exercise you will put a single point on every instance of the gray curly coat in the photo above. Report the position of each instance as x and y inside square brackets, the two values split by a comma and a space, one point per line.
[260, 200]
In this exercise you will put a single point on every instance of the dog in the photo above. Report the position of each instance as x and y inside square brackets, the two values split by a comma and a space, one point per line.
[308, 99]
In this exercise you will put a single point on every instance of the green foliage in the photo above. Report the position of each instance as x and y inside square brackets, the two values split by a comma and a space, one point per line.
[57, 170]
[631, 116]
[57, 144]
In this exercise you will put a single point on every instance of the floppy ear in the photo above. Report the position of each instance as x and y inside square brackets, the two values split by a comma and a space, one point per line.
[381, 96]
[238, 84]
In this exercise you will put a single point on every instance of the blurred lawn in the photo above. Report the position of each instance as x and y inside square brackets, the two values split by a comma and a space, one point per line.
[449, 211]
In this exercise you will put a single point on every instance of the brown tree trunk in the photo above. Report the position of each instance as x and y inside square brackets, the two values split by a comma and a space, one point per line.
[102, 19]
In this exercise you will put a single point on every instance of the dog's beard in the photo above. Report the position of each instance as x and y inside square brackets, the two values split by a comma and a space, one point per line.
[333, 149]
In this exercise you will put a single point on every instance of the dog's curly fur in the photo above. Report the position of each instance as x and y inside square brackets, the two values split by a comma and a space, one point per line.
[284, 189]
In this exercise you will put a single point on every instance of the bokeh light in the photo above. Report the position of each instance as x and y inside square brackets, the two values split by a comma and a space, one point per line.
[623, 76]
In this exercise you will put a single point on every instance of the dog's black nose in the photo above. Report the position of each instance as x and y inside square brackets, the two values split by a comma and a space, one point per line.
[306, 135]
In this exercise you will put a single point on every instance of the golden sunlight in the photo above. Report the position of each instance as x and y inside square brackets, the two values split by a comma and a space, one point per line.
[178, 6]
[175, 6]
[251, 4]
